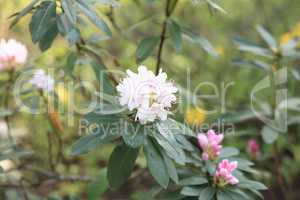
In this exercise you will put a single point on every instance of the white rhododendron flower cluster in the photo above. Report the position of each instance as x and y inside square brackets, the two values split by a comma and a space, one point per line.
[42, 81]
[151, 95]
[11, 53]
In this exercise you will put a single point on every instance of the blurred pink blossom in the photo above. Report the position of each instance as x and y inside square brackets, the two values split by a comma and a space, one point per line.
[12, 53]
[223, 175]
[210, 144]
[253, 148]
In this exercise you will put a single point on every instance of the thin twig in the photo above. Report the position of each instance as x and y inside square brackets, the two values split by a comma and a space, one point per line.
[6, 105]
[160, 47]
[50, 158]
[168, 13]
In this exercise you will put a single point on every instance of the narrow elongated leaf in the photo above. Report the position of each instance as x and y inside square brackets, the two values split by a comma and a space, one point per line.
[156, 164]
[237, 117]
[146, 47]
[69, 10]
[93, 17]
[170, 168]
[252, 63]
[227, 152]
[134, 135]
[237, 194]
[207, 194]
[254, 185]
[90, 142]
[171, 6]
[167, 140]
[42, 20]
[112, 3]
[191, 191]
[223, 195]
[244, 45]
[102, 76]
[95, 117]
[63, 24]
[202, 41]
[193, 181]
[24, 12]
[268, 38]
[120, 165]
[216, 6]
[175, 33]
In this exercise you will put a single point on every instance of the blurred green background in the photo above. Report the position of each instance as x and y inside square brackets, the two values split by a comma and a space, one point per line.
[137, 19]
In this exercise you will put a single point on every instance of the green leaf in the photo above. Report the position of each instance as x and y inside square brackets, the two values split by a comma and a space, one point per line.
[193, 181]
[178, 128]
[204, 43]
[95, 117]
[146, 47]
[73, 36]
[269, 39]
[112, 3]
[269, 135]
[63, 24]
[171, 168]
[91, 141]
[175, 33]
[155, 163]
[168, 142]
[171, 6]
[93, 16]
[97, 188]
[120, 165]
[134, 135]
[71, 62]
[257, 194]
[244, 45]
[252, 63]
[222, 195]
[229, 152]
[254, 185]
[237, 194]
[23, 12]
[216, 6]
[184, 143]
[69, 10]
[207, 194]
[42, 20]
[48, 38]
[191, 191]
[102, 76]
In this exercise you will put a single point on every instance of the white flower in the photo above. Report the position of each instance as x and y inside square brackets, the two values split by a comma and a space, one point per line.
[12, 53]
[151, 95]
[42, 81]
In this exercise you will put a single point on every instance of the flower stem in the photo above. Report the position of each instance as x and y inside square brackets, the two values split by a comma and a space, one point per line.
[6, 105]
[168, 11]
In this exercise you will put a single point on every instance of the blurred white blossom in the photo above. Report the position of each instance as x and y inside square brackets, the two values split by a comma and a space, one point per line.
[42, 81]
[152, 95]
[12, 53]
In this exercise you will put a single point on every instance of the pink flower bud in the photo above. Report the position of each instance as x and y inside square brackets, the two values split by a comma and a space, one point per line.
[253, 148]
[210, 144]
[223, 175]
